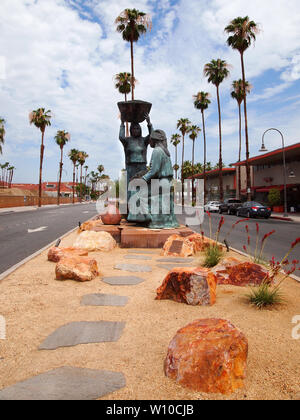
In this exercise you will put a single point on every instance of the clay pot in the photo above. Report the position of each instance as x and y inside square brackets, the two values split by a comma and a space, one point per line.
[112, 215]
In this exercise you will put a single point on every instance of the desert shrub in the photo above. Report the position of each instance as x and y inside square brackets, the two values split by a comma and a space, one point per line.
[265, 295]
[213, 255]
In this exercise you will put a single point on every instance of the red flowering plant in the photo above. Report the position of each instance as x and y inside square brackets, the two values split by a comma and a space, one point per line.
[258, 254]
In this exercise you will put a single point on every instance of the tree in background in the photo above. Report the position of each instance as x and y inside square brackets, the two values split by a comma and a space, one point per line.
[175, 140]
[202, 101]
[123, 84]
[242, 32]
[217, 71]
[239, 95]
[11, 171]
[41, 119]
[82, 157]
[61, 139]
[183, 125]
[73, 155]
[194, 131]
[132, 24]
[2, 134]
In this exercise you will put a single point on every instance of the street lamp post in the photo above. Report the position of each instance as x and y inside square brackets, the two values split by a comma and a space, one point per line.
[263, 149]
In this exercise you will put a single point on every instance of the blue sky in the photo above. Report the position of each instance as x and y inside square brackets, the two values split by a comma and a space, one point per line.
[63, 54]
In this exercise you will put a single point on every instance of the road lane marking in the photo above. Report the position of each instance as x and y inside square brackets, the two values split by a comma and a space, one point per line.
[40, 229]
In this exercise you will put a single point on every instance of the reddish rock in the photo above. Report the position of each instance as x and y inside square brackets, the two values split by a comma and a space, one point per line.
[77, 268]
[199, 242]
[177, 246]
[55, 254]
[112, 216]
[194, 286]
[208, 355]
[235, 273]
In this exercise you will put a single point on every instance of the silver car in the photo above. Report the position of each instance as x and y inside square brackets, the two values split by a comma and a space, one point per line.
[212, 206]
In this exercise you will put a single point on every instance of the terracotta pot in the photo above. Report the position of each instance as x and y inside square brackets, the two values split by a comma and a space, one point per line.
[112, 215]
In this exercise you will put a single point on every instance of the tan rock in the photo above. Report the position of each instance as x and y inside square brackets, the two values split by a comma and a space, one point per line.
[55, 254]
[194, 286]
[199, 242]
[90, 225]
[208, 355]
[95, 241]
[77, 268]
[177, 246]
[232, 271]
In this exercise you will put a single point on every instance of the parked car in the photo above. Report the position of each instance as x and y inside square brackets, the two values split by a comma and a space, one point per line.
[253, 209]
[229, 206]
[212, 206]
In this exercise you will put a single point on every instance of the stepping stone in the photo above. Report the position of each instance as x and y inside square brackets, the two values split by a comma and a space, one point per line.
[170, 267]
[104, 300]
[140, 251]
[134, 268]
[83, 333]
[175, 260]
[123, 281]
[65, 383]
[138, 257]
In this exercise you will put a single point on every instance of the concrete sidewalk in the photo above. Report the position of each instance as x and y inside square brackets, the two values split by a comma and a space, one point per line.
[32, 208]
[292, 217]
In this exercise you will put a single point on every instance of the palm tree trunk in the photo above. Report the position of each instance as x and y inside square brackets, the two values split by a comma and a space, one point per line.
[240, 152]
[176, 160]
[41, 168]
[204, 166]
[60, 174]
[74, 168]
[193, 172]
[80, 183]
[246, 133]
[132, 70]
[127, 127]
[182, 177]
[221, 191]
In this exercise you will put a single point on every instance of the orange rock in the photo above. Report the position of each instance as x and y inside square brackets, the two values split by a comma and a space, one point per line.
[177, 246]
[90, 225]
[194, 286]
[77, 268]
[198, 242]
[55, 254]
[208, 355]
[235, 273]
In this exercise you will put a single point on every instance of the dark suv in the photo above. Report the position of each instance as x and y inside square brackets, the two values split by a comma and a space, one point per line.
[230, 206]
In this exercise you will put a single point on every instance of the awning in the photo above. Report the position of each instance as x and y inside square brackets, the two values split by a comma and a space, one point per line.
[273, 187]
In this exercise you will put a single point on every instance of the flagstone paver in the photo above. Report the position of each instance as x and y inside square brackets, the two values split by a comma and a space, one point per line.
[175, 260]
[83, 333]
[133, 268]
[141, 251]
[66, 383]
[123, 280]
[171, 266]
[99, 299]
[138, 257]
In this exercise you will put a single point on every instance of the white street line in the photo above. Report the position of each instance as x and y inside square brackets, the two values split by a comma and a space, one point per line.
[40, 229]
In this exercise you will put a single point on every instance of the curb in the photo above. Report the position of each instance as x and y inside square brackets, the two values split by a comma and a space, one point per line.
[287, 219]
[36, 254]
[6, 210]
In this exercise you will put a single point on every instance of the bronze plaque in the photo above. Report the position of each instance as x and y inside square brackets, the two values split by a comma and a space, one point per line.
[176, 247]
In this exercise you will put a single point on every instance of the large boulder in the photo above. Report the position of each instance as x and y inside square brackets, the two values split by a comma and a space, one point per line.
[199, 242]
[90, 225]
[55, 254]
[193, 286]
[177, 246]
[208, 355]
[77, 268]
[233, 272]
[95, 241]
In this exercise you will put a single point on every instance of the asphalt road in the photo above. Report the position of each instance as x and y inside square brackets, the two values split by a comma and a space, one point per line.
[17, 243]
[277, 245]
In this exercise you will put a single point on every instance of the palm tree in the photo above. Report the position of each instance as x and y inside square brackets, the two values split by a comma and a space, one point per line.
[61, 138]
[86, 175]
[123, 84]
[73, 155]
[202, 101]
[81, 159]
[132, 24]
[239, 95]
[217, 71]
[184, 126]
[2, 133]
[242, 32]
[175, 140]
[41, 119]
[11, 170]
[194, 130]
[100, 169]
